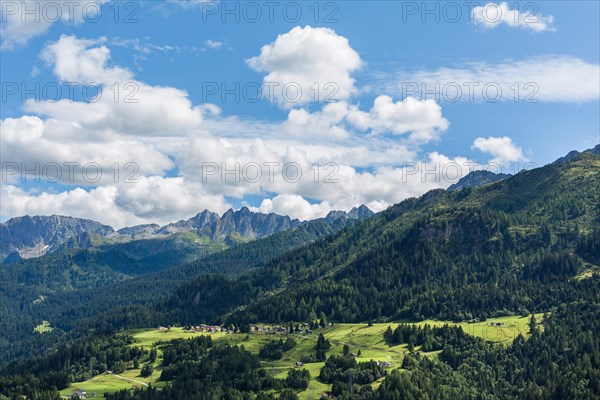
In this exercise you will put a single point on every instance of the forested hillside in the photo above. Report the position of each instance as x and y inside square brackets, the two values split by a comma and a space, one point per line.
[57, 289]
[515, 246]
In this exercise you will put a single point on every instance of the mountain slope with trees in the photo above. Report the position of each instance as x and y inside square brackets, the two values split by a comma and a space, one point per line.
[52, 289]
[514, 246]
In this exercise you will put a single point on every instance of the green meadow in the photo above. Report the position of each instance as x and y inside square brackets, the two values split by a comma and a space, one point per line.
[43, 327]
[368, 340]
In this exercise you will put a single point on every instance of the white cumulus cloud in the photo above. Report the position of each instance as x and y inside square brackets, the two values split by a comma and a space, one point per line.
[316, 60]
[126, 105]
[422, 119]
[116, 205]
[295, 206]
[24, 20]
[502, 148]
[325, 123]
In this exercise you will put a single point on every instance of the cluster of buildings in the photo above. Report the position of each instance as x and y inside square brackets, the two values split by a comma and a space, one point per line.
[269, 329]
[384, 364]
[300, 328]
[206, 328]
[81, 394]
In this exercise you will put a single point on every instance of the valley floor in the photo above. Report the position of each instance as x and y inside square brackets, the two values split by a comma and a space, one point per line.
[362, 339]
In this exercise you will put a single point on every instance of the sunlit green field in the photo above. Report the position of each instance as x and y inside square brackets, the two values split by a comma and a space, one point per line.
[359, 337]
[43, 327]
[107, 383]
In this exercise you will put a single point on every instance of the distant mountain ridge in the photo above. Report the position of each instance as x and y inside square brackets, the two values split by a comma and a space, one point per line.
[145, 231]
[35, 236]
[31, 237]
[573, 154]
[360, 212]
[242, 222]
[478, 178]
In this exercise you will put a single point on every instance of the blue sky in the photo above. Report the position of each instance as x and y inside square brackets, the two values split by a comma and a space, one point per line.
[378, 56]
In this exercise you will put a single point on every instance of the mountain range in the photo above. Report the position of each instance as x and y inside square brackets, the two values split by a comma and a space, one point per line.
[31, 237]
[28, 237]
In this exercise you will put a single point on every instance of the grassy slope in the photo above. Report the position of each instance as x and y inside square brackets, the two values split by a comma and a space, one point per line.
[367, 339]
[43, 327]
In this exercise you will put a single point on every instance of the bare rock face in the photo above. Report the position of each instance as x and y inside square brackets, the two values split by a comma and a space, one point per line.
[243, 222]
[358, 213]
[31, 237]
[35, 236]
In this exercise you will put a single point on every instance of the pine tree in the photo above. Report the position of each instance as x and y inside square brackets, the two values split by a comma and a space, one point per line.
[532, 324]
[147, 370]
[388, 334]
[346, 350]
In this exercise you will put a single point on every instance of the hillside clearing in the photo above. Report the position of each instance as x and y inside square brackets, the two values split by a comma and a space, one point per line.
[359, 337]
